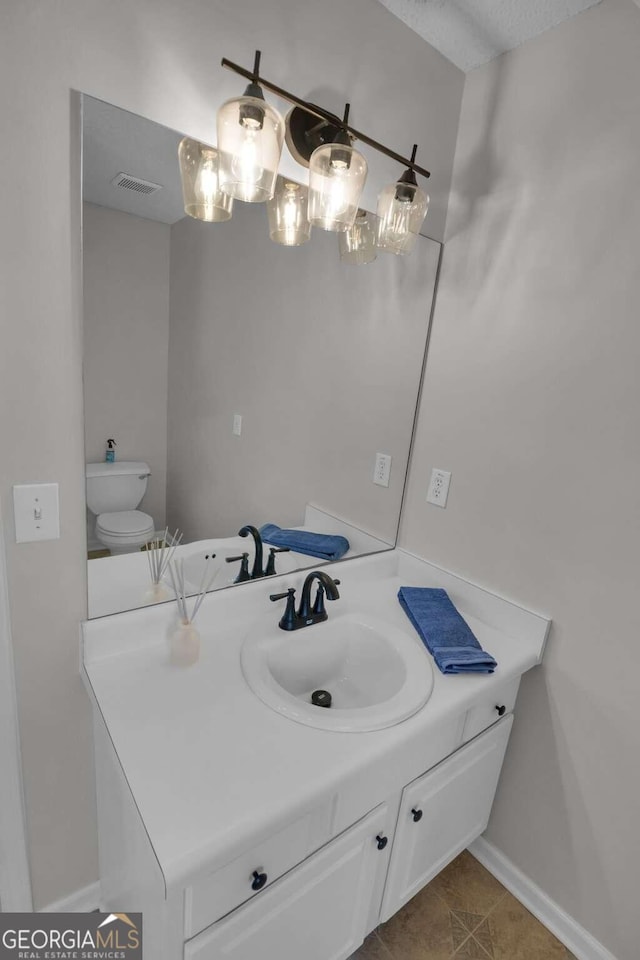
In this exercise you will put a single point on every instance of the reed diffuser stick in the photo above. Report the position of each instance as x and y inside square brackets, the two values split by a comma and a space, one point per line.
[176, 571]
[185, 639]
[159, 555]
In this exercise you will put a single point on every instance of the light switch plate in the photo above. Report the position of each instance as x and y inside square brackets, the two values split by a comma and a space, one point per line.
[237, 424]
[439, 487]
[36, 511]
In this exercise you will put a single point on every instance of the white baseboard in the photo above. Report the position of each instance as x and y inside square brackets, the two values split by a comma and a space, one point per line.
[82, 901]
[578, 940]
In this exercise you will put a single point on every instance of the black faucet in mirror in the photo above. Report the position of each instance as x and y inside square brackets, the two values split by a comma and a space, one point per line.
[306, 615]
[256, 570]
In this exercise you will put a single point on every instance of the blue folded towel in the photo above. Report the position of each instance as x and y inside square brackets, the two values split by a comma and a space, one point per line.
[444, 632]
[324, 545]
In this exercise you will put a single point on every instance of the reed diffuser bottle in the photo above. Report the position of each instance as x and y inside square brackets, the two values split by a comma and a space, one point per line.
[184, 637]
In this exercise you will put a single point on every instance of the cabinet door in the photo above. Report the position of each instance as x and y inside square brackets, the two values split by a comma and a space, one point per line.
[317, 911]
[442, 812]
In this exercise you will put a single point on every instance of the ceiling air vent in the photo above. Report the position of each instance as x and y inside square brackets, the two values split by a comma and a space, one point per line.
[127, 182]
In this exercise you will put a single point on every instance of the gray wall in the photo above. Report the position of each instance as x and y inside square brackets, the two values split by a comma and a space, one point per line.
[161, 59]
[126, 343]
[531, 399]
[320, 358]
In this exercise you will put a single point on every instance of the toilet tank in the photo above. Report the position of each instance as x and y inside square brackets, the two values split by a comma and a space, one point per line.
[112, 487]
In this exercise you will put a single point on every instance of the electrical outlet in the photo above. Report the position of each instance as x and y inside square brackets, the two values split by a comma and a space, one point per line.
[237, 424]
[382, 469]
[439, 487]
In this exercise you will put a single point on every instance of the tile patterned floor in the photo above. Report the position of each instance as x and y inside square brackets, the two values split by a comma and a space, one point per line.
[463, 914]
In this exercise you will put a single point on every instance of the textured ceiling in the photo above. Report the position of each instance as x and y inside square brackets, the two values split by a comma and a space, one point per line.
[114, 142]
[471, 32]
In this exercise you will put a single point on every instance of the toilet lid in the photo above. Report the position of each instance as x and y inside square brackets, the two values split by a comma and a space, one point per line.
[125, 523]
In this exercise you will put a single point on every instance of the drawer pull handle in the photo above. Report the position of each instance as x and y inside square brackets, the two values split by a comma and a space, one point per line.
[259, 880]
[382, 842]
[501, 710]
[417, 815]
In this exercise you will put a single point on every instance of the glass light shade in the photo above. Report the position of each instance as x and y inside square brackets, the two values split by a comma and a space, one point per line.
[337, 174]
[250, 137]
[358, 243]
[202, 196]
[402, 208]
[287, 212]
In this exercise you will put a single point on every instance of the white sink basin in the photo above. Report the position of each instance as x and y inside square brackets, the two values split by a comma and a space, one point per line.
[377, 675]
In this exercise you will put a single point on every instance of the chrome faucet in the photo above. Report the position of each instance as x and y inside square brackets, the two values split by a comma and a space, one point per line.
[306, 615]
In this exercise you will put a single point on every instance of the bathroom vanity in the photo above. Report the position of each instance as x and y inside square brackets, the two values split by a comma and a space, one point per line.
[239, 831]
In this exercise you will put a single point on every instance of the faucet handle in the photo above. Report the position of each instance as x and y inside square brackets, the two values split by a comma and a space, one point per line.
[318, 605]
[271, 562]
[288, 619]
[281, 596]
[244, 567]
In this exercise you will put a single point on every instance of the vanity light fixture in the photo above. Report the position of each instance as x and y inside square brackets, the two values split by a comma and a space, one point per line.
[337, 173]
[402, 207]
[202, 196]
[287, 212]
[358, 243]
[250, 138]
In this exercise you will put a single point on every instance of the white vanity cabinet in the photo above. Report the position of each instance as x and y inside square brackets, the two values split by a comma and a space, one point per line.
[316, 894]
[323, 908]
[314, 897]
[238, 832]
[442, 812]
[318, 910]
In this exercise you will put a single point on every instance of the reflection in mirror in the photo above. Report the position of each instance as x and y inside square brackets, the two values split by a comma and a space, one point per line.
[244, 384]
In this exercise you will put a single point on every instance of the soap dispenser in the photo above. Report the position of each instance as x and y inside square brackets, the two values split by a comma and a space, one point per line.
[110, 453]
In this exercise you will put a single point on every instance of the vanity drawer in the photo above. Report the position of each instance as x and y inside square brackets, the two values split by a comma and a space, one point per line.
[489, 709]
[318, 911]
[231, 885]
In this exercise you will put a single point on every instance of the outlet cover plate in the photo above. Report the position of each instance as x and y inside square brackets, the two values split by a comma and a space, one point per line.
[439, 487]
[382, 469]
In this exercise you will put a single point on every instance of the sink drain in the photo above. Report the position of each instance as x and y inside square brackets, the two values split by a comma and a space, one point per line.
[321, 698]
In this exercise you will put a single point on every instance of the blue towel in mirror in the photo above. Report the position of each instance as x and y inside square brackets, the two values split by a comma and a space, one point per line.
[323, 545]
[443, 631]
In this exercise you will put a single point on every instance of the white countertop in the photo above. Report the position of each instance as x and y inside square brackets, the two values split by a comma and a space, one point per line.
[210, 766]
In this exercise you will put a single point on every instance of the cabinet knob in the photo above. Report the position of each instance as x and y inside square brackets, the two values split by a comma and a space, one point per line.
[259, 880]
[382, 842]
[501, 710]
[417, 815]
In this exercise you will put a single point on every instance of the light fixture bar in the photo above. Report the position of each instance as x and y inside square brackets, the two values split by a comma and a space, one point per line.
[323, 114]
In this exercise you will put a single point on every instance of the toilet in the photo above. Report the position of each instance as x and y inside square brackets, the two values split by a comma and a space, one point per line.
[114, 490]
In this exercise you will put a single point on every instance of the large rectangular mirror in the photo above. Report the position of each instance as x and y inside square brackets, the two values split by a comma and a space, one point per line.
[243, 382]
